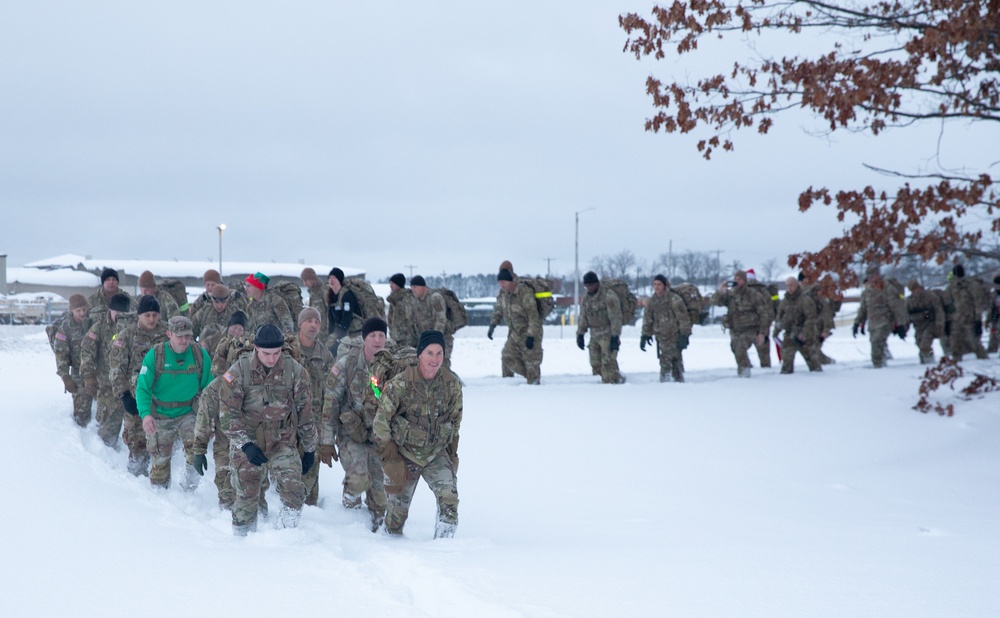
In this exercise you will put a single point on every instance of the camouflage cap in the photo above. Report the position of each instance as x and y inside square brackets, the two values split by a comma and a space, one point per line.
[180, 326]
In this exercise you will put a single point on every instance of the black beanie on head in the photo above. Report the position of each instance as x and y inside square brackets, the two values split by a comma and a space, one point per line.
[418, 280]
[339, 274]
[505, 275]
[661, 279]
[108, 273]
[427, 338]
[590, 277]
[147, 304]
[119, 302]
[372, 325]
[269, 337]
[398, 279]
[238, 317]
[959, 270]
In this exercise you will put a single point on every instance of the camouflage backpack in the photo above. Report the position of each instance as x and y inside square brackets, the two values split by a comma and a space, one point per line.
[177, 291]
[454, 309]
[628, 300]
[693, 300]
[542, 288]
[386, 365]
[766, 293]
[292, 295]
[53, 328]
[372, 305]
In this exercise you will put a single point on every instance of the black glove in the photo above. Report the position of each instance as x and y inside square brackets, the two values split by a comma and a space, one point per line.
[200, 463]
[254, 454]
[947, 329]
[862, 328]
[489, 333]
[977, 326]
[900, 332]
[616, 343]
[799, 341]
[529, 342]
[683, 341]
[644, 340]
[128, 401]
[308, 459]
[579, 342]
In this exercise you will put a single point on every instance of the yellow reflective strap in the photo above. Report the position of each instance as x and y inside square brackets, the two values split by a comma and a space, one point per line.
[543, 294]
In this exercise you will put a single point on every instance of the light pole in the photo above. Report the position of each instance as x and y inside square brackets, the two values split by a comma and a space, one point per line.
[222, 228]
[576, 268]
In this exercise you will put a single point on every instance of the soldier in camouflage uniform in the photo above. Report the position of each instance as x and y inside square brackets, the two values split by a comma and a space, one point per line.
[884, 309]
[927, 315]
[127, 353]
[430, 312]
[799, 318]
[148, 287]
[400, 312]
[770, 294]
[828, 302]
[67, 347]
[416, 430]
[601, 314]
[211, 322]
[266, 306]
[95, 365]
[266, 411]
[967, 321]
[351, 396]
[748, 315]
[99, 302]
[173, 373]
[522, 353]
[497, 318]
[206, 425]
[667, 318]
[317, 300]
[317, 360]
[211, 279]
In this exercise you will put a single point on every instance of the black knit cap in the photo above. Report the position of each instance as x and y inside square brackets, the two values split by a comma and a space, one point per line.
[590, 277]
[661, 279]
[427, 338]
[119, 302]
[269, 337]
[238, 317]
[339, 274]
[505, 275]
[418, 280]
[147, 304]
[372, 325]
[398, 279]
[107, 273]
[959, 270]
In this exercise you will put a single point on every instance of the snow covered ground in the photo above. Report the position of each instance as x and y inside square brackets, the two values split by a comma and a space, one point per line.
[804, 495]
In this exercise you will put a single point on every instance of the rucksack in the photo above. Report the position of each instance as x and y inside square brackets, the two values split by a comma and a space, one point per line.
[386, 365]
[177, 291]
[372, 305]
[53, 328]
[454, 309]
[628, 300]
[765, 293]
[693, 300]
[291, 293]
[542, 289]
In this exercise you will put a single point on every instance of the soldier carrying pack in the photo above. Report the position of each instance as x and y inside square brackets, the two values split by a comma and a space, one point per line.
[693, 300]
[455, 312]
[372, 305]
[542, 288]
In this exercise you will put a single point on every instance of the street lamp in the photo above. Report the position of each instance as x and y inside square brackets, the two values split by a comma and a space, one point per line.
[576, 268]
[221, 228]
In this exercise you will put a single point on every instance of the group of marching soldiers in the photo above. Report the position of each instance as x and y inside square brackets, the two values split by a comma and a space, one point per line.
[269, 392]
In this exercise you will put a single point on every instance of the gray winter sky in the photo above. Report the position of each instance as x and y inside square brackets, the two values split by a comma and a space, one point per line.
[444, 135]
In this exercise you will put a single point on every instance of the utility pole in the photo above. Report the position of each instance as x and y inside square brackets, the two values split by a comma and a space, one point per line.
[576, 267]
[411, 267]
[548, 268]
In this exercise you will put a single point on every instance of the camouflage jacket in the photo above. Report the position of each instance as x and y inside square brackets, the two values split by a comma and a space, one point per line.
[95, 350]
[68, 343]
[882, 306]
[422, 417]
[343, 397]
[798, 317]
[429, 313]
[966, 295]
[520, 312]
[228, 351]
[666, 316]
[127, 352]
[317, 300]
[497, 316]
[97, 303]
[747, 309]
[270, 309]
[269, 408]
[925, 310]
[168, 306]
[400, 317]
[208, 322]
[773, 303]
[317, 361]
[600, 312]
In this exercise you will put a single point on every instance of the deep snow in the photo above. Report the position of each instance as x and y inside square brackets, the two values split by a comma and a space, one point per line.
[804, 495]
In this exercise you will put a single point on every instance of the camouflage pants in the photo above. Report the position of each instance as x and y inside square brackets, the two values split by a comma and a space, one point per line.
[110, 413]
[82, 402]
[603, 360]
[310, 480]
[790, 348]
[134, 436]
[964, 340]
[440, 477]
[879, 336]
[739, 343]
[671, 360]
[160, 445]
[283, 463]
[362, 475]
[924, 335]
[206, 426]
[518, 359]
[764, 352]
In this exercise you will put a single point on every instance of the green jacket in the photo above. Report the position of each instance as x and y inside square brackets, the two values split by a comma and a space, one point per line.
[178, 384]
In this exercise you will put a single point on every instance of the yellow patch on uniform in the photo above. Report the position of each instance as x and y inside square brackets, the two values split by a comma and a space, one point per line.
[228, 377]
[335, 370]
[60, 337]
[92, 335]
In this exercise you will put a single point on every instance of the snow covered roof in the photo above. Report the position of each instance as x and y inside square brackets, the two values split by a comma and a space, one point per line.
[63, 277]
[181, 268]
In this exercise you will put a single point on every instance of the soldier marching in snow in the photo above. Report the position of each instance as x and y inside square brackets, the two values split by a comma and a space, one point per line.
[666, 317]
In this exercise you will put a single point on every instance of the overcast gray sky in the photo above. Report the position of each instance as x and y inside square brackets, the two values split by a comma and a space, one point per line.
[445, 135]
